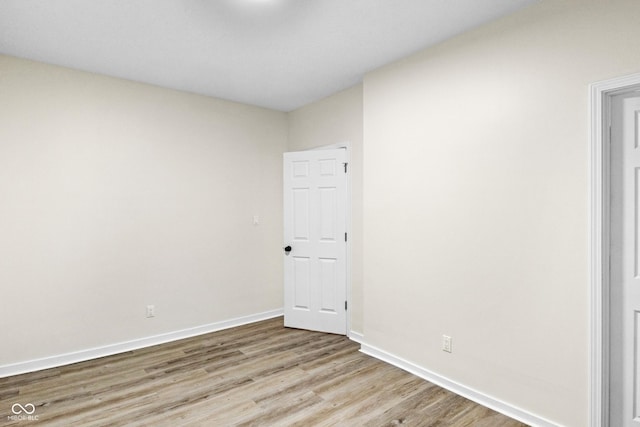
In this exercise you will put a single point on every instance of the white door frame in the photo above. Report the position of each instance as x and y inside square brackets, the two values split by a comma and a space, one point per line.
[347, 146]
[599, 223]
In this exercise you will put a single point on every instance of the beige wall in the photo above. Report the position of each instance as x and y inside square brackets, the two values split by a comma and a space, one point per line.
[334, 120]
[476, 201]
[115, 195]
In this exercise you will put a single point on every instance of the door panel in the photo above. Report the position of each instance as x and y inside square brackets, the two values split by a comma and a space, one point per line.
[301, 283]
[315, 227]
[301, 214]
[625, 261]
[328, 284]
[328, 214]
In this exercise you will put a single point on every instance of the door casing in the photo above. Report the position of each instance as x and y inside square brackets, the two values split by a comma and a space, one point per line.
[599, 241]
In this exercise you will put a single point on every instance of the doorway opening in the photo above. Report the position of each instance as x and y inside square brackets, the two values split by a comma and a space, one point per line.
[317, 247]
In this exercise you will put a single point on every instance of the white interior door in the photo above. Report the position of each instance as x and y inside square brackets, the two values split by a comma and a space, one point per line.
[315, 272]
[625, 261]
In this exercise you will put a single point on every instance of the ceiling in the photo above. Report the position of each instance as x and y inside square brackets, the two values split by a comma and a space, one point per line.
[279, 54]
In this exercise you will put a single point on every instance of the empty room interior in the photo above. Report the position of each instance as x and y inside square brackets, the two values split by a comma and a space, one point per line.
[142, 198]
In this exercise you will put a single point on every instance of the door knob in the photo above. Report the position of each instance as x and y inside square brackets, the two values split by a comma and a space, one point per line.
[287, 249]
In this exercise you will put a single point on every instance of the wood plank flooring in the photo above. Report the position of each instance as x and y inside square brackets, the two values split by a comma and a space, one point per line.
[255, 375]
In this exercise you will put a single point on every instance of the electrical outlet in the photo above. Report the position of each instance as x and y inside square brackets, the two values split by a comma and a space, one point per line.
[151, 311]
[446, 343]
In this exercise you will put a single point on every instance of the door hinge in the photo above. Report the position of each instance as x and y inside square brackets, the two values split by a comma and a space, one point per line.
[345, 237]
[345, 306]
[345, 167]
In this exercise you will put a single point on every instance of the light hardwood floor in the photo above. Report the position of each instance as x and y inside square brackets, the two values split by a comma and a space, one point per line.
[259, 374]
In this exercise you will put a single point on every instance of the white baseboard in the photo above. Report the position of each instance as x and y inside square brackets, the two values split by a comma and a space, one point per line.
[111, 349]
[356, 336]
[464, 391]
